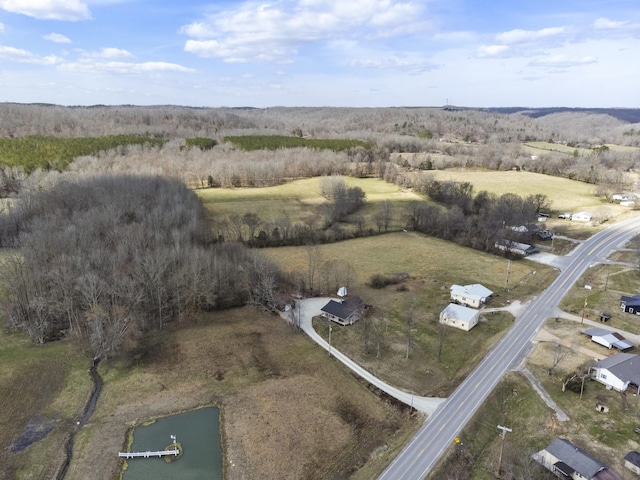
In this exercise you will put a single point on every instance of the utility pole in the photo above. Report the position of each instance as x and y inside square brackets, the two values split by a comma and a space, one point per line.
[583, 310]
[506, 282]
[504, 433]
[330, 337]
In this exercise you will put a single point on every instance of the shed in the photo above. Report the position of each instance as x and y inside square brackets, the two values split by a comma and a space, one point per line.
[630, 304]
[609, 339]
[459, 317]
[632, 461]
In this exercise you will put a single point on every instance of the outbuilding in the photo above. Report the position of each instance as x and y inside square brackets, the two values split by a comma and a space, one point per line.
[582, 217]
[460, 317]
[609, 339]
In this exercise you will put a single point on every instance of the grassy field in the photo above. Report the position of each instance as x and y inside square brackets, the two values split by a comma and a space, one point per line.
[542, 147]
[300, 200]
[288, 410]
[432, 266]
[42, 389]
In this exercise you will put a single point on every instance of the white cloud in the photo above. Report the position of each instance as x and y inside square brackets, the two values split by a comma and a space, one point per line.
[524, 36]
[57, 38]
[23, 56]
[109, 52]
[276, 31]
[492, 50]
[396, 64]
[87, 66]
[608, 24]
[563, 61]
[70, 10]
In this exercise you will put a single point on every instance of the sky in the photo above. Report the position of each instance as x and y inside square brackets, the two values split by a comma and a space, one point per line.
[351, 53]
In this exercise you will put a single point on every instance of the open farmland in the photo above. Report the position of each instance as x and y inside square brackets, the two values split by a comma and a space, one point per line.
[432, 266]
[542, 147]
[277, 391]
[300, 200]
[564, 194]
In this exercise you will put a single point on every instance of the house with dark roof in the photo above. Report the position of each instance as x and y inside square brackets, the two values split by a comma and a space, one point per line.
[632, 462]
[344, 312]
[609, 339]
[474, 295]
[460, 317]
[568, 461]
[619, 372]
[630, 304]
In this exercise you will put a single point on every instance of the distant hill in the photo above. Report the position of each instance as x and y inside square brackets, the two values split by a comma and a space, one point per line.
[630, 115]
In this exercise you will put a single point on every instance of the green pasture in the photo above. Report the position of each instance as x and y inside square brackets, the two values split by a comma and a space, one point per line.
[299, 200]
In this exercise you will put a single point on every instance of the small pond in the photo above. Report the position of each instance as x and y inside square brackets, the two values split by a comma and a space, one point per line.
[199, 433]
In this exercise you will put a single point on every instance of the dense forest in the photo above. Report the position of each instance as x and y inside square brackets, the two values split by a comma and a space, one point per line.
[112, 238]
[108, 258]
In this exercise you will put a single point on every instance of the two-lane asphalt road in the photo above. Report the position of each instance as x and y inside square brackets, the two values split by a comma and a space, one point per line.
[420, 455]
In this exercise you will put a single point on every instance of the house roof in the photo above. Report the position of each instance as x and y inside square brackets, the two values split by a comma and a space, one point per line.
[625, 366]
[630, 301]
[575, 457]
[633, 457]
[343, 309]
[612, 338]
[461, 313]
[475, 290]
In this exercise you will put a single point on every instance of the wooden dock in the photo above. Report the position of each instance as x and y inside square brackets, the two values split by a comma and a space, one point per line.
[161, 453]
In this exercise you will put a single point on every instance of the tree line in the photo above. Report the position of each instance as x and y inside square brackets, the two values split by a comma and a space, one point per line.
[45, 153]
[106, 259]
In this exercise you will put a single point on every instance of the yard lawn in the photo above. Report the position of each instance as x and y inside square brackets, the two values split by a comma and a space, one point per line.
[607, 436]
[431, 265]
[608, 283]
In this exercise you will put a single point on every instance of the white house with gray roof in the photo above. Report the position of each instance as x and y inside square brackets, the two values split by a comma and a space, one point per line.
[459, 317]
[568, 461]
[619, 372]
[474, 295]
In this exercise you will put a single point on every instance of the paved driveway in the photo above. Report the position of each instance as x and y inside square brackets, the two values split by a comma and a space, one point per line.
[312, 307]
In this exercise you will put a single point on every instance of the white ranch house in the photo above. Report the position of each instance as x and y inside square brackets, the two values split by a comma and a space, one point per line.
[619, 372]
[460, 317]
[582, 217]
[474, 295]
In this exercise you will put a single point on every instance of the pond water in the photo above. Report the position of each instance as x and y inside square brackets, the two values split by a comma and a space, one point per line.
[199, 433]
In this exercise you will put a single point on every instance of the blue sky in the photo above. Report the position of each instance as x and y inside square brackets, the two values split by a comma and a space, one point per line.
[361, 53]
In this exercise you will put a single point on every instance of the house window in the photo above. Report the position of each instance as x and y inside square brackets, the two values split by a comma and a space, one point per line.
[603, 376]
[631, 310]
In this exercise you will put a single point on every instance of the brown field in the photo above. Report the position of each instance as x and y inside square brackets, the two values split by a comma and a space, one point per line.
[288, 410]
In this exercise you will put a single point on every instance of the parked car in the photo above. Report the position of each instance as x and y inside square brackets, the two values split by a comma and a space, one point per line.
[544, 234]
[566, 215]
